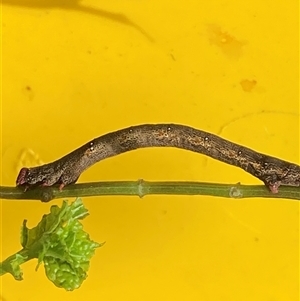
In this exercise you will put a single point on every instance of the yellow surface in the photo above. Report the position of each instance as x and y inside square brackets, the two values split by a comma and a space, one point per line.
[75, 71]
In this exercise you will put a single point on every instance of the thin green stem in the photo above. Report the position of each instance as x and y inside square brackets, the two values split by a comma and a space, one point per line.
[12, 262]
[141, 188]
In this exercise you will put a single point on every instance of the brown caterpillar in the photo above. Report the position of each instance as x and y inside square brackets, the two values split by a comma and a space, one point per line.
[272, 171]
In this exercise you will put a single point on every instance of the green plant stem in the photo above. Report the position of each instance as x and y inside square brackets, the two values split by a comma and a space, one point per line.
[21, 257]
[141, 188]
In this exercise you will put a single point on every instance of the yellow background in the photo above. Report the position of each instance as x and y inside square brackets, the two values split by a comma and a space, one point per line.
[75, 71]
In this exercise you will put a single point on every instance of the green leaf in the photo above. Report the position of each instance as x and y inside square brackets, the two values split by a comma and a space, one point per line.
[60, 242]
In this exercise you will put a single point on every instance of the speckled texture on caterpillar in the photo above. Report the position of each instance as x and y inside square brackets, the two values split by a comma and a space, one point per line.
[272, 171]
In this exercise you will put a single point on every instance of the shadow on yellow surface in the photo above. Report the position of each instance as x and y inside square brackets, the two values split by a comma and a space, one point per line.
[74, 5]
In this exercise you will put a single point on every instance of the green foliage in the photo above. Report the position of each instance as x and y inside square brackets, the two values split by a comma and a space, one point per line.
[59, 242]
